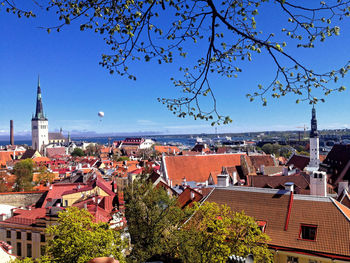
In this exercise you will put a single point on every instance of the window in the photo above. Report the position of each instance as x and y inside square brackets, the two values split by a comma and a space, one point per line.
[42, 238]
[19, 249]
[29, 236]
[262, 226]
[9, 242]
[29, 250]
[8, 234]
[308, 232]
[292, 259]
[18, 235]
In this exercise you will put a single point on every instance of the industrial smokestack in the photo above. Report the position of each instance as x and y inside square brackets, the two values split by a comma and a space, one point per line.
[12, 139]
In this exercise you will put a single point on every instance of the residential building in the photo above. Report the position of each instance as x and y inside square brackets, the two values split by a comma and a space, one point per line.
[302, 228]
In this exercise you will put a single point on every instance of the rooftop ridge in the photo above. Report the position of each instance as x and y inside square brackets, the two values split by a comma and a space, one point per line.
[206, 155]
[276, 191]
[337, 204]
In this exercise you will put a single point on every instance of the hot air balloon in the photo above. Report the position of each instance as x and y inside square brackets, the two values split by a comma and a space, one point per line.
[101, 114]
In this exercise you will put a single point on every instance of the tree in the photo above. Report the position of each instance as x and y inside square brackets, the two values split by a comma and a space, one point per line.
[152, 217]
[226, 32]
[77, 238]
[4, 179]
[24, 175]
[44, 176]
[215, 232]
[77, 152]
[92, 150]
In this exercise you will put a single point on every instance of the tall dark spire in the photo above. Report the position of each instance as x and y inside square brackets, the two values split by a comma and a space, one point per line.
[39, 114]
[313, 132]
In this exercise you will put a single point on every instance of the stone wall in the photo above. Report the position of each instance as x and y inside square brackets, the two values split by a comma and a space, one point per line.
[20, 198]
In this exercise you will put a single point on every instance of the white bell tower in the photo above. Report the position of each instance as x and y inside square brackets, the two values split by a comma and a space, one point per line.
[314, 144]
[40, 129]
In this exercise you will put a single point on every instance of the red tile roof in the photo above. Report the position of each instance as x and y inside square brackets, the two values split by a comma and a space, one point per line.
[5, 157]
[166, 149]
[271, 206]
[26, 217]
[197, 168]
[50, 152]
[299, 161]
[301, 184]
[188, 196]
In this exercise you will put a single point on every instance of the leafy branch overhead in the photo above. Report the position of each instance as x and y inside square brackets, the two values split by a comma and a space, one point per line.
[226, 33]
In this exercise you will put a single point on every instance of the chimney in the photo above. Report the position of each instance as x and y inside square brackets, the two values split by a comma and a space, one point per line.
[234, 175]
[289, 186]
[192, 195]
[344, 185]
[285, 171]
[318, 183]
[223, 180]
[262, 169]
[12, 140]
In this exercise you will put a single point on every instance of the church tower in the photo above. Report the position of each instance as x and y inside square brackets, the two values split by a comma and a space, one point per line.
[314, 144]
[40, 129]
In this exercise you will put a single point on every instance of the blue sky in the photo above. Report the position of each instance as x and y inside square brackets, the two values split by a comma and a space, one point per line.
[75, 87]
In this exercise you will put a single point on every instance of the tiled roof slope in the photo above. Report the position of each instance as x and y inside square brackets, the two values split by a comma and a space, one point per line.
[333, 227]
[337, 160]
[197, 168]
[275, 182]
[55, 151]
[5, 157]
[299, 161]
[258, 160]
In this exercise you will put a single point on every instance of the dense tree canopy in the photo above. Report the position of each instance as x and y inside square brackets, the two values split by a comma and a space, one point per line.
[24, 175]
[78, 152]
[215, 232]
[152, 217]
[227, 32]
[77, 238]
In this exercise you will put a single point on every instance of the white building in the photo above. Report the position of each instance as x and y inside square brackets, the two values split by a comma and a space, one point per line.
[40, 126]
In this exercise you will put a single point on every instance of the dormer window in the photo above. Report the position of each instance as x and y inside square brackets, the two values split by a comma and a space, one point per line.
[262, 226]
[308, 232]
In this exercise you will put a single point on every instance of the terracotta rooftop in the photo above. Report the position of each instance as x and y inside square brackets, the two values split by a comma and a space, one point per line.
[197, 168]
[299, 161]
[5, 156]
[166, 149]
[272, 206]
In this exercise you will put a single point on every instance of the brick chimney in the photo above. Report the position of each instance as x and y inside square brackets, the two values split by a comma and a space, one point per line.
[12, 140]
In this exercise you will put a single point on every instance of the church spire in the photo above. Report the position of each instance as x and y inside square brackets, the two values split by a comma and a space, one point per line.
[313, 132]
[39, 114]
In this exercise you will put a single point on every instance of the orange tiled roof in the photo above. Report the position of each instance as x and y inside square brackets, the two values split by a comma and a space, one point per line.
[333, 227]
[166, 149]
[41, 159]
[197, 168]
[5, 156]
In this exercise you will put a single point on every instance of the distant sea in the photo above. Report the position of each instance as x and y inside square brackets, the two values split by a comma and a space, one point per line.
[166, 139]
